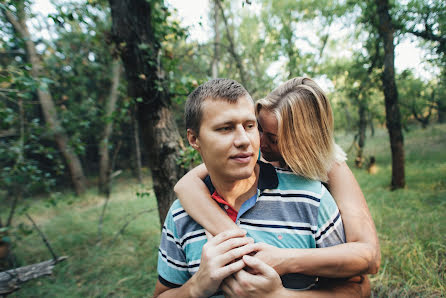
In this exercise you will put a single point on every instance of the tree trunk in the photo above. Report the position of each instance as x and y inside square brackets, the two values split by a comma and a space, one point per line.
[133, 33]
[216, 57]
[46, 101]
[104, 162]
[362, 126]
[137, 147]
[393, 117]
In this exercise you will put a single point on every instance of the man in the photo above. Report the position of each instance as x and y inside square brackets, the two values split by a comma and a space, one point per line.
[275, 207]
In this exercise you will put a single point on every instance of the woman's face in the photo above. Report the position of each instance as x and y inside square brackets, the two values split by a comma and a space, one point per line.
[268, 128]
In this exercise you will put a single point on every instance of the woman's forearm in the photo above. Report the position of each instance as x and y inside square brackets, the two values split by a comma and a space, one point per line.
[359, 227]
[344, 260]
[196, 200]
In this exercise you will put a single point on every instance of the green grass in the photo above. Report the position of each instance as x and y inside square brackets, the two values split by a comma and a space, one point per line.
[411, 224]
[126, 268]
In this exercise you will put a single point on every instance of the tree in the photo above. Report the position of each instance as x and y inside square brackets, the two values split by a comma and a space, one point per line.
[393, 117]
[137, 30]
[110, 105]
[427, 21]
[18, 21]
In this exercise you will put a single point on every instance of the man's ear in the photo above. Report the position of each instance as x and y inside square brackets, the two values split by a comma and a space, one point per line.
[192, 137]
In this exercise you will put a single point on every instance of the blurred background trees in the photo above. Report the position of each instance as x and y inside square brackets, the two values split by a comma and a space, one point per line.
[96, 87]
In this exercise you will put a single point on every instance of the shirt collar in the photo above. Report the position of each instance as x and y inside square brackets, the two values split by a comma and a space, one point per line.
[267, 178]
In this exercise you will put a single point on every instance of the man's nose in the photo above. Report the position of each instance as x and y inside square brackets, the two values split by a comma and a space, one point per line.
[241, 137]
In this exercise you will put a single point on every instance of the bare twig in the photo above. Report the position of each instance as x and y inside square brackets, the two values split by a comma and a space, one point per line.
[121, 231]
[45, 240]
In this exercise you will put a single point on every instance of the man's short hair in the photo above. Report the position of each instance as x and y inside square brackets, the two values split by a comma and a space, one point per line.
[216, 89]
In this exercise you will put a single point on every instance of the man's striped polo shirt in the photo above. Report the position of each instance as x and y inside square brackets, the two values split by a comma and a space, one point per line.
[288, 211]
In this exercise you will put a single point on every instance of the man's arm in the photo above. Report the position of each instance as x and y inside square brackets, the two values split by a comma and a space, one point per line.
[266, 283]
[220, 258]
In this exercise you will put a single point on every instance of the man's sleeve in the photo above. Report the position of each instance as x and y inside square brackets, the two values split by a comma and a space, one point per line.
[172, 264]
[330, 228]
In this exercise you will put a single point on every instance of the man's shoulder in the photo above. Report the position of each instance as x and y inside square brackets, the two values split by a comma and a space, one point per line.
[178, 220]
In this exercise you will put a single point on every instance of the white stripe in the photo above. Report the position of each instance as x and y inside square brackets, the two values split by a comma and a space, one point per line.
[284, 171]
[295, 191]
[278, 222]
[179, 216]
[330, 221]
[166, 258]
[328, 233]
[289, 200]
[276, 230]
[193, 239]
[191, 263]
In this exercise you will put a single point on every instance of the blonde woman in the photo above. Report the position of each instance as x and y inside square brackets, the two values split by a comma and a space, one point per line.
[296, 133]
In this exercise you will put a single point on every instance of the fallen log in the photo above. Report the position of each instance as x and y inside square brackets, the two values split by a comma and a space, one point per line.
[11, 280]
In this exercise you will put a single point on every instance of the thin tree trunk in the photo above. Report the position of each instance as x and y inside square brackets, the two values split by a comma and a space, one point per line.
[393, 117]
[216, 57]
[232, 50]
[104, 162]
[46, 101]
[137, 147]
[362, 126]
[134, 34]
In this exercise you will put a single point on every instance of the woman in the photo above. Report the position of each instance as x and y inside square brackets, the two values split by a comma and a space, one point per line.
[294, 119]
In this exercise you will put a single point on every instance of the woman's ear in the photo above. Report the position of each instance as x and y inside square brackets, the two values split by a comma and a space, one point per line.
[192, 137]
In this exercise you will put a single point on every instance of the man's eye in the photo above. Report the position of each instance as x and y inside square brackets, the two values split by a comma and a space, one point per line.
[225, 128]
[250, 125]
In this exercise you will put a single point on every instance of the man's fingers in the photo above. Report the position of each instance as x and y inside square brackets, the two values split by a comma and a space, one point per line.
[233, 243]
[231, 287]
[229, 269]
[259, 266]
[235, 254]
[223, 236]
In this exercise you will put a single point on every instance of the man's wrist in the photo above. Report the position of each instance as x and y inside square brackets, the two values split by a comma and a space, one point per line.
[194, 287]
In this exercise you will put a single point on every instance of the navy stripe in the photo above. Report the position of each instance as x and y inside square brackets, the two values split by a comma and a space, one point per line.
[289, 195]
[191, 237]
[167, 283]
[171, 262]
[178, 213]
[275, 226]
[329, 226]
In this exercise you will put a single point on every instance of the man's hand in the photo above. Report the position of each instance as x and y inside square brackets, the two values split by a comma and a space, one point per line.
[266, 283]
[221, 257]
[272, 256]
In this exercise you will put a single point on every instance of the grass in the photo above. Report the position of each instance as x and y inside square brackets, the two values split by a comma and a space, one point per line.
[411, 224]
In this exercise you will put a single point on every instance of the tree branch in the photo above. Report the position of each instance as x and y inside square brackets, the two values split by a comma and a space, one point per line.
[11, 280]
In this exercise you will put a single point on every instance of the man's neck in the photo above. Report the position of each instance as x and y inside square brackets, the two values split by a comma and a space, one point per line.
[236, 192]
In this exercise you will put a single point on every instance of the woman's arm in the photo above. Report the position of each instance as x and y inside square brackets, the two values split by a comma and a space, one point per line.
[196, 200]
[358, 223]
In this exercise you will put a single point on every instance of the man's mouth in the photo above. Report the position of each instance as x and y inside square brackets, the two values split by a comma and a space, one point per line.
[242, 157]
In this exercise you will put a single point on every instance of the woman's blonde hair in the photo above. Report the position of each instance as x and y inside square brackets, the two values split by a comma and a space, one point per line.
[305, 126]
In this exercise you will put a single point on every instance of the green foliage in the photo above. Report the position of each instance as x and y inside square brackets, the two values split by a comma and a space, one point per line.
[189, 159]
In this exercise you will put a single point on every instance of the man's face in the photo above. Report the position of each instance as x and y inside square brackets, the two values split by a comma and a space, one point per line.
[229, 140]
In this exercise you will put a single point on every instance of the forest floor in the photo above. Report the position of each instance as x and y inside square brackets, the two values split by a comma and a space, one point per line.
[411, 224]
